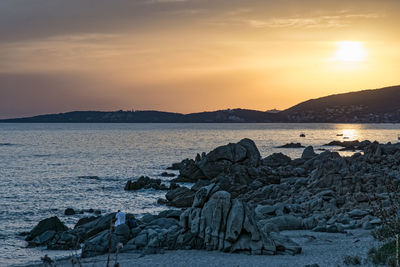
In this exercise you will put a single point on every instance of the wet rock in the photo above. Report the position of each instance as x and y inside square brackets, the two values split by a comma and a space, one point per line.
[145, 182]
[42, 239]
[168, 174]
[291, 145]
[48, 224]
[69, 211]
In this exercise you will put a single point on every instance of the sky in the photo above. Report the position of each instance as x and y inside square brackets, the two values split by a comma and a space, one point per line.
[191, 55]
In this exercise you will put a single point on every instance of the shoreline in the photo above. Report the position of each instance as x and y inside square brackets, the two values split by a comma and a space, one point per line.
[324, 249]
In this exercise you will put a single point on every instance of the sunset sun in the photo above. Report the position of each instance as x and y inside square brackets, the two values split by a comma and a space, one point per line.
[349, 51]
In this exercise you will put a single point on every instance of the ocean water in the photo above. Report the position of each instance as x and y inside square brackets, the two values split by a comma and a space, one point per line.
[45, 168]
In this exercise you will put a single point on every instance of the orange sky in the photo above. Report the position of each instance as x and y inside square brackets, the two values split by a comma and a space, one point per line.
[191, 55]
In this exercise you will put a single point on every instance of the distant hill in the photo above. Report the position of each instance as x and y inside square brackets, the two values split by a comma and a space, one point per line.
[229, 115]
[378, 105]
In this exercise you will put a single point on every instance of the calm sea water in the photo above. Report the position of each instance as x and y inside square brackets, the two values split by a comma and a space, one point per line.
[41, 166]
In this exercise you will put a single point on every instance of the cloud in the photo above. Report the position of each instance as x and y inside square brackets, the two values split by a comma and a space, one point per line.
[328, 21]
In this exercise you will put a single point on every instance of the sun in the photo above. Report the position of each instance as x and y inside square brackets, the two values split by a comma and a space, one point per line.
[350, 51]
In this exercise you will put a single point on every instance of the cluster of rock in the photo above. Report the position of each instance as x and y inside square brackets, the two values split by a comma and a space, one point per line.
[291, 145]
[71, 211]
[322, 192]
[350, 145]
[240, 202]
[144, 182]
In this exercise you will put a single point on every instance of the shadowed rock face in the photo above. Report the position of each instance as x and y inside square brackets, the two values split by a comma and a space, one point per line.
[220, 160]
[214, 222]
[49, 224]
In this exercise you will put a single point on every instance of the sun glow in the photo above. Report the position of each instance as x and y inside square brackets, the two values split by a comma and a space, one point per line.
[350, 51]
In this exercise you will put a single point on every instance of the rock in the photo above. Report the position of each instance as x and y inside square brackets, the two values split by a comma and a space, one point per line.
[264, 211]
[199, 184]
[100, 244]
[175, 166]
[145, 182]
[180, 197]
[284, 244]
[357, 213]
[291, 145]
[222, 158]
[42, 239]
[85, 220]
[202, 195]
[183, 201]
[147, 218]
[48, 224]
[174, 214]
[171, 194]
[167, 174]
[286, 222]
[309, 223]
[64, 241]
[235, 221]
[226, 225]
[94, 226]
[276, 160]
[189, 172]
[122, 231]
[69, 211]
[367, 225]
[308, 153]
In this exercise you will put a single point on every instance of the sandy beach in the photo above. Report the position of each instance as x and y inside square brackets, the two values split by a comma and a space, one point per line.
[324, 249]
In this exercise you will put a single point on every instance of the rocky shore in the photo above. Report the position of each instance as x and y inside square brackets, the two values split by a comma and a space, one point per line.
[241, 202]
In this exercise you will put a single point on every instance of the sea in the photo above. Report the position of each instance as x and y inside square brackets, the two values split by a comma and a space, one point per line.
[46, 168]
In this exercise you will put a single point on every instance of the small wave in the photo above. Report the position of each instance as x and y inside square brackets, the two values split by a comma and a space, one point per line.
[7, 144]
[42, 155]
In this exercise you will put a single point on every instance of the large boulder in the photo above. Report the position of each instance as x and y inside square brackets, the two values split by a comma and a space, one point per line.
[220, 159]
[276, 160]
[95, 226]
[308, 153]
[227, 225]
[180, 197]
[49, 224]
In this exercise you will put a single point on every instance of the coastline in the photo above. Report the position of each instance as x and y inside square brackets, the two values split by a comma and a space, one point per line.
[324, 249]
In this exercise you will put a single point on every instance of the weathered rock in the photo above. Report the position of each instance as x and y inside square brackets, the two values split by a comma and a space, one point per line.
[203, 194]
[95, 226]
[48, 224]
[64, 241]
[145, 182]
[308, 153]
[168, 174]
[291, 145]
[69, 211]
[286, 222]
[42, 239]
[276, 160]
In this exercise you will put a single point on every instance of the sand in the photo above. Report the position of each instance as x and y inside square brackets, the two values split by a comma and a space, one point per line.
[324, 249]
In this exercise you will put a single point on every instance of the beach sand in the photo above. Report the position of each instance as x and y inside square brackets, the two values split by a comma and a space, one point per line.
[324, 249]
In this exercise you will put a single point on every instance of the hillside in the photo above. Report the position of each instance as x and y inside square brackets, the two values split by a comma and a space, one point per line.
[368, 106]
[220, 116]
[378, 105]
